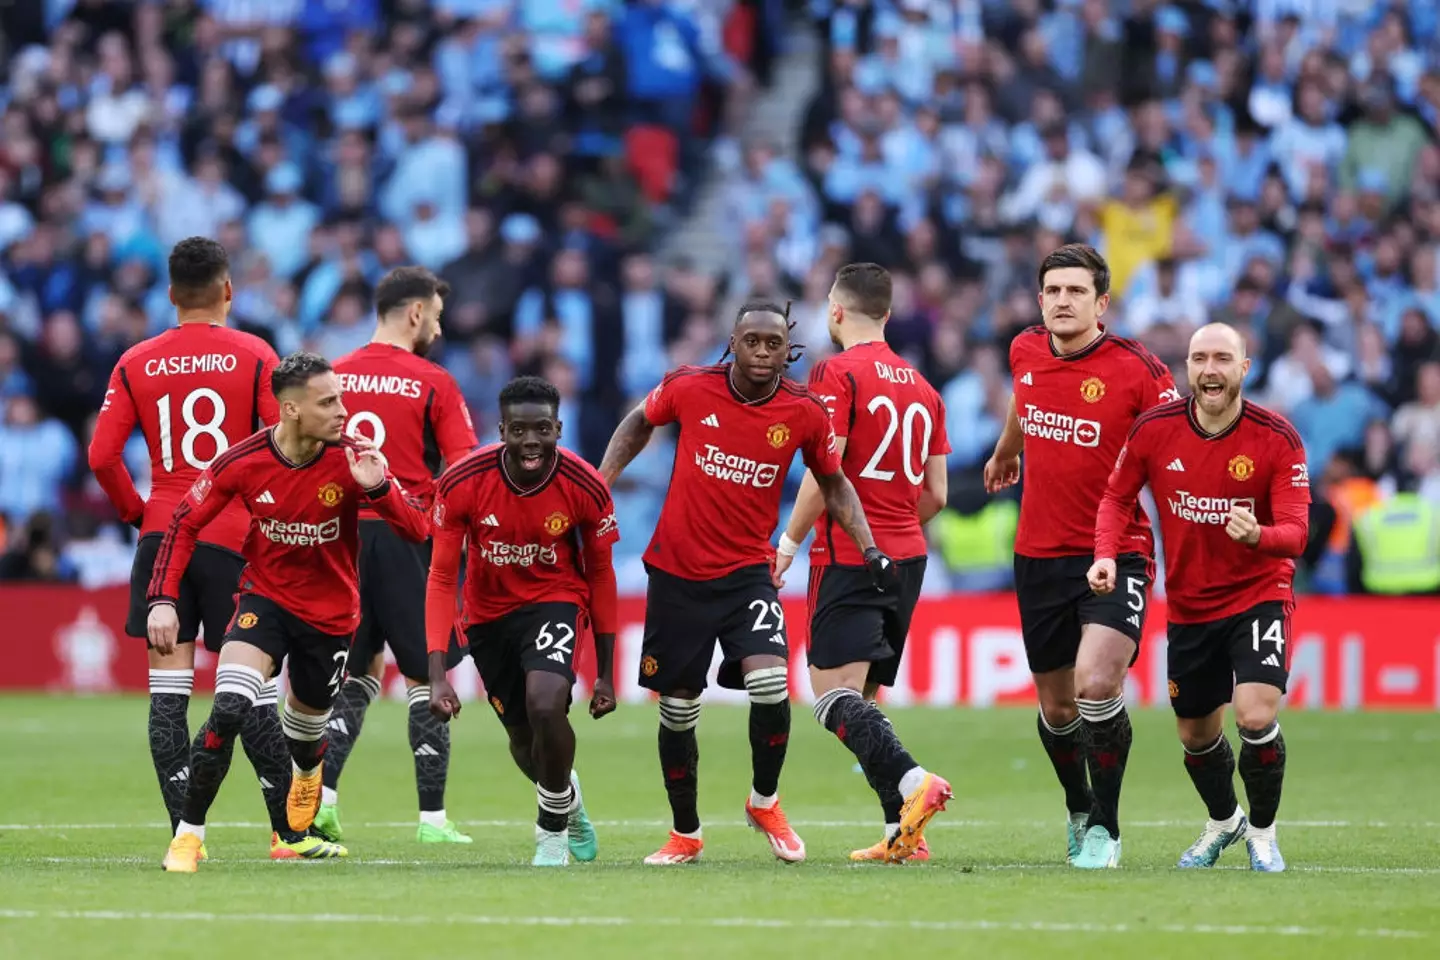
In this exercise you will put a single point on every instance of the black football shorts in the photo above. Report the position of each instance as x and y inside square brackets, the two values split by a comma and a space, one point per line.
[539, 637]
[393, 572]
[685, 619]
[852, 622]
[207, 591]
[317, 659]
[1056, 603]
[1204, 661]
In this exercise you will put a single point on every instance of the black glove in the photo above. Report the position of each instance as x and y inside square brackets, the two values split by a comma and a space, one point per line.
[882, 569]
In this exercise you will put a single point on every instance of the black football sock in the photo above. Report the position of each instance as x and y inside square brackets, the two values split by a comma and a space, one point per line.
[236, 690]
[306, 739]
[346, 718]
[430, 742]
[1262, 770]
[554, 808]
[264, 744]
[1108, 735]
[169, 730]
[1065, 746]
[680, 760]
[1212, 770]
[869, 735]
[769, 689]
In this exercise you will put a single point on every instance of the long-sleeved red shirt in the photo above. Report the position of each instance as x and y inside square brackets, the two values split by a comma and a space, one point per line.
[304, 528]
[1258, 463]
[547, 543]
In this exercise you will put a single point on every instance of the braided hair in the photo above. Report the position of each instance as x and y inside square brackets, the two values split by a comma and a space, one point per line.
[797, 350]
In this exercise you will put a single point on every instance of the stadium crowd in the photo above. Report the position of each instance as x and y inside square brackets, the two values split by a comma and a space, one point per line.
[1270, 163]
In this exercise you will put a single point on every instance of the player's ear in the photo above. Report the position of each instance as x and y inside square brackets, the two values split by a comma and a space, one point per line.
[1102, 303]
[171, 292]
[559, 429]
[229, 290]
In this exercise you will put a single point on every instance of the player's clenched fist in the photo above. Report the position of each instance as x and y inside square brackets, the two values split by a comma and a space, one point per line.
[1000, 474]
[444, 702]
[1102, 576]
[1242, 526]
[162, 628]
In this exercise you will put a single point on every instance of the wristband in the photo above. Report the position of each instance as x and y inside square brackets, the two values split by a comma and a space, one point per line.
[787, 547]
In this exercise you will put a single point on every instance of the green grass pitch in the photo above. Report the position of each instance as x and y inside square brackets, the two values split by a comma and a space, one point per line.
[81, 841]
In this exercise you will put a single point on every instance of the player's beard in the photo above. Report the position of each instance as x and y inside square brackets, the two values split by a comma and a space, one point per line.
[423, 343]
[1217, 404]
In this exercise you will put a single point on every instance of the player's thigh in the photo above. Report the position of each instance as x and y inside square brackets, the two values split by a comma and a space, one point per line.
[847, 618]
[316, 666]
[397, 601]
[1123, 609]
[682, 621]
[494, 649]
[214, 575]
[187, 609]
[1260, 656]
[898, 614]
[752, 624]
[1197, 664]
[1049, 591]
[257, 636]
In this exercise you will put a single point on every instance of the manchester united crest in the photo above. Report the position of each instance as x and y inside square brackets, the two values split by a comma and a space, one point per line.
[499, 707]
[1241, 467]
[246, 621]
[1174, 689]
[331, 494]
[778, 434]
[1092, 389]
[556, 524]
[648, 667]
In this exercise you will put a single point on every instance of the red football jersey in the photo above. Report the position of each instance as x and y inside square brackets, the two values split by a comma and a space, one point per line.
[549, 543]
[1258, 463]
[304, 537]
[1075, 411]
[730, 464]
[195, 391]
[412, 410]
[893, 421]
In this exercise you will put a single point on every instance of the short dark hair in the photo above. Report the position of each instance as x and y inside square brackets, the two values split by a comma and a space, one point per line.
[868, 286]
[528, 389]
[197, 265]
[297, 370]
[403, 284]
[1080, 255]
[797, 350]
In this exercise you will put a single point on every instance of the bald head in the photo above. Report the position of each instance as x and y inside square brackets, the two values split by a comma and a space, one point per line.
[1218, 336]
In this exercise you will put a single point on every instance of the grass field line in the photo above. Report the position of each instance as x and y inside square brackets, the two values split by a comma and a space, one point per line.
[765, 923]
[949, 823]
[621, 864]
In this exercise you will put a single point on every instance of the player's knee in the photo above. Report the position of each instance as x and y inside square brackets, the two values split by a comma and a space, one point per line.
[1255, 720]
[547, 708]
[237, 688]
[1197, 734]
[1099, 683]
[1058, 711]
[768, 685]
[679, 714]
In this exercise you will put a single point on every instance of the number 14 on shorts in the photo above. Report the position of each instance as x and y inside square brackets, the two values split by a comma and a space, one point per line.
[559, 641]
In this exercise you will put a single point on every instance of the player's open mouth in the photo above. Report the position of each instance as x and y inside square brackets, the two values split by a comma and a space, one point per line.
[531, 461]
[1212, 389]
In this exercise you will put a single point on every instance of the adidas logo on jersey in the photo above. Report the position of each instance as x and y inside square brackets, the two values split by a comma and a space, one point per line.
[265, 498]
[1027, 381]
[711, 421]
[425, 750]
[1270, 661]
[1175, 465]
[557, 656]
[490, 521]
[1133, 620]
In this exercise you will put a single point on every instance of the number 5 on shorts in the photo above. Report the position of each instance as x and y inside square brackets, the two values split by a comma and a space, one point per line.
[1135, 587]
[560, 647]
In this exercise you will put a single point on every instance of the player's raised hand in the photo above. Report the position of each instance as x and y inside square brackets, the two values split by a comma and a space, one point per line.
[1242, 525]
[1102, 576]
[367, 467]
[602, 701]
[882, 570]
[444, 702]
[1000, 474]
[162, 628]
